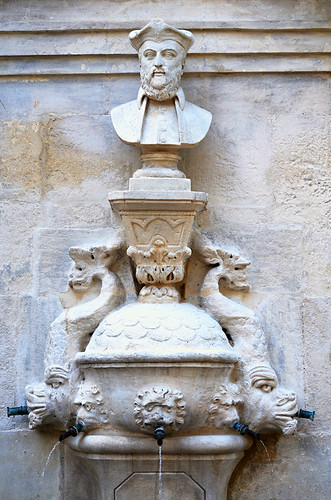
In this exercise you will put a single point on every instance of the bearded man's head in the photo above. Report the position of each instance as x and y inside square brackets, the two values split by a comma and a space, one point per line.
[162, 51]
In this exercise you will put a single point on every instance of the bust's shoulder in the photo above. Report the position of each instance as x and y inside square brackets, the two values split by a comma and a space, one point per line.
[195, 123]
[194, 110]
[126, 119]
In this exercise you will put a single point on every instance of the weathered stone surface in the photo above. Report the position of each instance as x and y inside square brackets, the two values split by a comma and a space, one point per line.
[209, 474]
[21, 477]
[316, 340]
[282, 322]
[34, 98]
[16, 263]
[114, 41]
[274, 254]
[297, 464]
[264, 164]
[146, 484]
[87, 12]
[9, 326]
[24, 326]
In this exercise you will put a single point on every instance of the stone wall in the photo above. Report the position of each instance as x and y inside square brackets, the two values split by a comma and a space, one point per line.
[261, 69]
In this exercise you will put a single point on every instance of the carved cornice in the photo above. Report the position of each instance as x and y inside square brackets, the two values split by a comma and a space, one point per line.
[103, 48]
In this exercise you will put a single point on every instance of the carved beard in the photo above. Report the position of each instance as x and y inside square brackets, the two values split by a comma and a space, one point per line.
[167, 92]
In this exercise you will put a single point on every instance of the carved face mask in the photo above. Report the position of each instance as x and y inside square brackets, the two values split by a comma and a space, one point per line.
[162, 66]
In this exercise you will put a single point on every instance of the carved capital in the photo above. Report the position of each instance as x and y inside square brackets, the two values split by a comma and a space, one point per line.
[158, 264]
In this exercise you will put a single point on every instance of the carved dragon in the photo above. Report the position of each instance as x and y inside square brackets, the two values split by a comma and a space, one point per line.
[259, 383]
[94, 291]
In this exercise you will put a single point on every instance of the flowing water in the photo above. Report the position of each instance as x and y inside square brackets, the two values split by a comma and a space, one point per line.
[160, 472]
[49, 456]
[266, 450]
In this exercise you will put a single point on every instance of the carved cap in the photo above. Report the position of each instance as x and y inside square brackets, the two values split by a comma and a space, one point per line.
[158, 31]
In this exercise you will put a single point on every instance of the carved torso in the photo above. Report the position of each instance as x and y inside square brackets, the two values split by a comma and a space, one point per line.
[161, 124]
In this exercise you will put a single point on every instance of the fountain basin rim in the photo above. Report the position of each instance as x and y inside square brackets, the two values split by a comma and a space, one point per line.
[172, 445]
[208, 358]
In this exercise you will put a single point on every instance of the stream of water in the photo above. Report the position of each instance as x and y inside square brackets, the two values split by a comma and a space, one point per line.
[266, 450]
[160, 472]
[49, 456]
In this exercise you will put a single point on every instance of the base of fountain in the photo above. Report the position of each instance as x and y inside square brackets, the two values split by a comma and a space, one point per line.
[123, 467]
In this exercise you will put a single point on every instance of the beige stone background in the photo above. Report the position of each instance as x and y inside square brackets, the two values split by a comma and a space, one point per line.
[261, 68]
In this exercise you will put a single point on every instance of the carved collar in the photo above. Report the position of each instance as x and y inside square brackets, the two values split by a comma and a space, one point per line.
[180, 98]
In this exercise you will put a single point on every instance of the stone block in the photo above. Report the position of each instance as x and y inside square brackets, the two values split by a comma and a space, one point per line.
[23, 456]
[78, 147]
[300, 146]
[16, 227]
[298, 465]
[317, 261]
[24, 329]
[21, 147]
[41, 97]
[9, 326]
[39, 312]
[280, 316]
[89, 214]
[316, 315]
[232, 167]
[188, 12]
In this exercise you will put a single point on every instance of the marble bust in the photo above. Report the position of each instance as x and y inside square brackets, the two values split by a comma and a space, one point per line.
[160, 117]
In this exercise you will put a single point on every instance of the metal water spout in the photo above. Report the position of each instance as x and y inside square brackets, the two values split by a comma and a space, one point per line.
[159, 434]
[244, 429]
[72, 431]
[17, 410]
[305, 414]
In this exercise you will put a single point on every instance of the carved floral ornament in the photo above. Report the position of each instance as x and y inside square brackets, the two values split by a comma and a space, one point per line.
[158, 264]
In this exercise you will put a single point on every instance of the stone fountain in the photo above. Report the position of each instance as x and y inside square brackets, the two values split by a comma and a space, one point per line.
[122, 367]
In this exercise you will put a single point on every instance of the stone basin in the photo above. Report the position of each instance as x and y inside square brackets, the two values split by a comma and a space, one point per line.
[157, 359]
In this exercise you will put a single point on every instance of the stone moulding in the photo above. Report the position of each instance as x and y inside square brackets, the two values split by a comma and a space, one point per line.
[215, 444]
[221, 47]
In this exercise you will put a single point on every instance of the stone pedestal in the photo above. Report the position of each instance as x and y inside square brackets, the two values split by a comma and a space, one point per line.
[192, 467]
[165, 214]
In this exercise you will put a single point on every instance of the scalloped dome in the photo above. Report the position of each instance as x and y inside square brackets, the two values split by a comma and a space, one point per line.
[148, 330]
